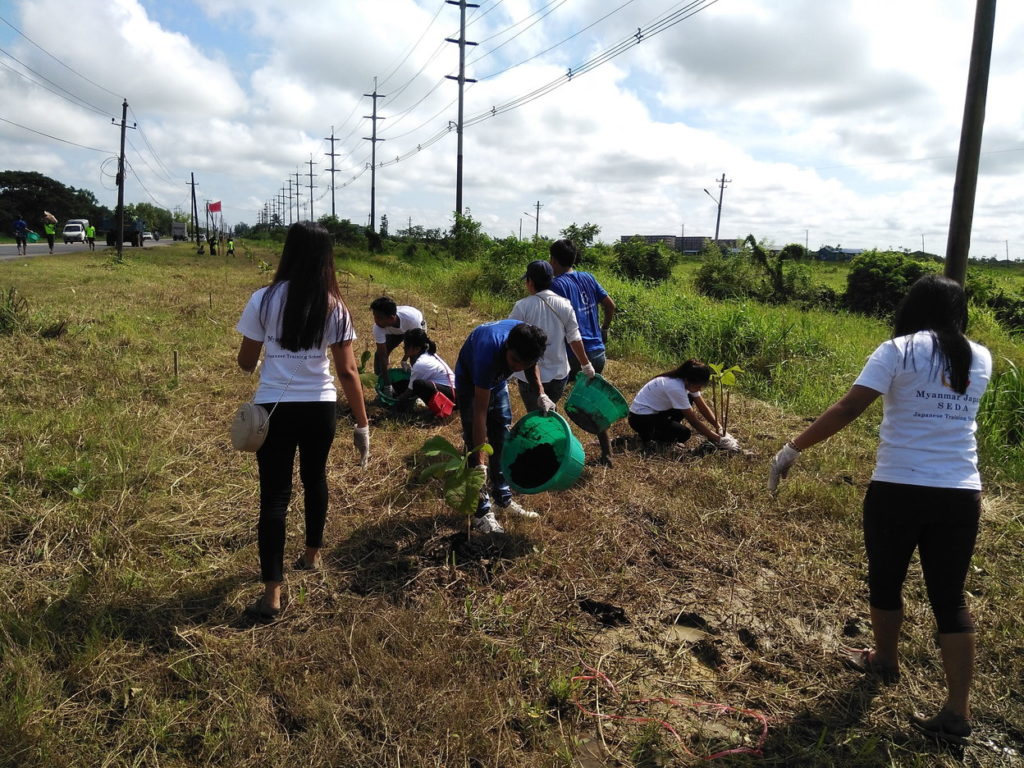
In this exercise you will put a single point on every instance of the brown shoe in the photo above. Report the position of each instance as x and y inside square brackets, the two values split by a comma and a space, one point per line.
[863, 660]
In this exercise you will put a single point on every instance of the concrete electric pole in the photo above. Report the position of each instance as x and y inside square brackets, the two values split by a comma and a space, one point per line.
[461, 79]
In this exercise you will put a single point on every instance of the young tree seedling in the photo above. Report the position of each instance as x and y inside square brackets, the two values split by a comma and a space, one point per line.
[462, 483]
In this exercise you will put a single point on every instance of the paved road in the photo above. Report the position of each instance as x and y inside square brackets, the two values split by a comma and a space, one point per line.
[9, 252]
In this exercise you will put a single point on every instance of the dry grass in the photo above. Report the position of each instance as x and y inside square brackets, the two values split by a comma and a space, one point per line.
[127, 551]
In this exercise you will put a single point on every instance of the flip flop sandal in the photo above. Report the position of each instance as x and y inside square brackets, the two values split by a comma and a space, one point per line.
[860, 660]
[945, 727]
[260, 612]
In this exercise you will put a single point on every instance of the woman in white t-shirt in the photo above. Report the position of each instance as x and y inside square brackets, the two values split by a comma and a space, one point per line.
[662, 404]
[296, 320]
[925, 492]
[428, 375]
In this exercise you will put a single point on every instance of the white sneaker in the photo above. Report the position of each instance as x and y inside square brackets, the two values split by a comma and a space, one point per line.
[513, 508]
[488, 524]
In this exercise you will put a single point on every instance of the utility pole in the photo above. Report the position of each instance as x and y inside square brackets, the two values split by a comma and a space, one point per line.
[193, 211]
[311, 164]
[298, 197]
[721, 191]
[120, 181]
[536, 218]
[372, 138]
[289, 200]
[961, 216]
[461, 79]
[332, 154]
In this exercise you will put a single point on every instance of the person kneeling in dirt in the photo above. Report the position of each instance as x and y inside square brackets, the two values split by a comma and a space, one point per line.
[390, 324]
[491, 353]
[659, 408]
[429, 373]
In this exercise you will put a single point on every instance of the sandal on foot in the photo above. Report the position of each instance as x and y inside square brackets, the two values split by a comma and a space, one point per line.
[862, 660]
[302, 565]
[945, 727]
[260, 611]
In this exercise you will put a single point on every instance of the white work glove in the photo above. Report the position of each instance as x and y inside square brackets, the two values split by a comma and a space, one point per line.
[779, 468]
[481, 469]
[588, 370]
[406, 365]
[361, 440]
[545, 404]
[728, 443]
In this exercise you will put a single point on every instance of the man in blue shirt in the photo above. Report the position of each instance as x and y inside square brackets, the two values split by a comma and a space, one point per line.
[492, 353]
[21, 235]
[586, 295]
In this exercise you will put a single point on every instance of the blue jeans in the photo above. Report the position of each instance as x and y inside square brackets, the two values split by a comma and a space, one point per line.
[499, 419]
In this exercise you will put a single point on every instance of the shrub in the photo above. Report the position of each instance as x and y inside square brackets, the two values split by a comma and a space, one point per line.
[13, 311]
[637, 260]
[879, 280]
[722, 277]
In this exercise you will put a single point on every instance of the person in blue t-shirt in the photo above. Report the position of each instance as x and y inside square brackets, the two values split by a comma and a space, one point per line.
[586, 295]
[491, 353]
[21, 235]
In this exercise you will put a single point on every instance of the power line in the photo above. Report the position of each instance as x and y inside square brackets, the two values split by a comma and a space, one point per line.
[415, 45]
[520, 32]
[81, 102]
[50, 136]
[70, 69]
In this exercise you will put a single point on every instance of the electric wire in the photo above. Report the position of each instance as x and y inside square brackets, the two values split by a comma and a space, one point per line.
[67, 67]
[415, 45]
[152, 151]
[51, 136]
[69, 97]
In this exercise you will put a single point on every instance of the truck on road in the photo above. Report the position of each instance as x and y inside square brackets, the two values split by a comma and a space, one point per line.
[179, 230]
[133, 230]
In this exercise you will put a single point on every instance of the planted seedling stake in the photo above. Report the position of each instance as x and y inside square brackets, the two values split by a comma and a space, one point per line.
[721, 379]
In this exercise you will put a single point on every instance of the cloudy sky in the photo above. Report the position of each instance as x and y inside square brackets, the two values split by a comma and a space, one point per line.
[834, 121]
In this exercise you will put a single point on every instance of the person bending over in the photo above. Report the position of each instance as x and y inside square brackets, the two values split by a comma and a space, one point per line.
[390, 323]
[491, 353]
[429, 373]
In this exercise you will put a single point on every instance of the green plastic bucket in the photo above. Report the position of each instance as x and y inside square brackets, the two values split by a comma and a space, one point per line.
[395, 375]
[594, 404]
[541, 454]
[32, 237]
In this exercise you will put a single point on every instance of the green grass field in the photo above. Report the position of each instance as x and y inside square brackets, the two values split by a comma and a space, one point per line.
[127, 552]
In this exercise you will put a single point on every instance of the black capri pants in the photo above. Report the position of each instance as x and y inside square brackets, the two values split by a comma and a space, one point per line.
[661, 427]
[310, 428]
[942, 524]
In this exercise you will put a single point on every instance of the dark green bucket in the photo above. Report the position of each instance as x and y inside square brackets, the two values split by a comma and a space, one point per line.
[395, 375]
[594, 404]
[541, 454]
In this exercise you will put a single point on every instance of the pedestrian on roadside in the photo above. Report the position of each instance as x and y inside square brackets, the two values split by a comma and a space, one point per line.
[299, 318]
[554, 315]
[662, 404]
[390, 324]
[231, 246]
[585, 294]
[925, 492]
[21, 235]
[491, 353]
[90, 237]
[50, 230]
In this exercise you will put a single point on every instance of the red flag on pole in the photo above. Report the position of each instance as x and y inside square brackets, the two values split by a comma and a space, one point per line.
[213, 207]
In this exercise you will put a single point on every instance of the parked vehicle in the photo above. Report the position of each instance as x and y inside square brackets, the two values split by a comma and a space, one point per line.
[147, 236]
[73, 232]
[132, 231]
[179, 230]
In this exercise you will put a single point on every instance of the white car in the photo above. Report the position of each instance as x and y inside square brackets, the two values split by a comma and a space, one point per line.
[73, 233]
[147, 236]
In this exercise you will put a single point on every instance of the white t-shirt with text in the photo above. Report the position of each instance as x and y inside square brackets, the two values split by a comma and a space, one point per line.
[292, 377]
[927, 432]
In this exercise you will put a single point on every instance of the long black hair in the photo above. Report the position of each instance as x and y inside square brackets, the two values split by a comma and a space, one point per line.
[307, 265]
[692, 371]
[939, 305]
[417, 337]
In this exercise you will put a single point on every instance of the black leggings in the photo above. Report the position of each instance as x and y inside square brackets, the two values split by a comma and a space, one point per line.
[942, 524]
[661, 427]
[309, 427]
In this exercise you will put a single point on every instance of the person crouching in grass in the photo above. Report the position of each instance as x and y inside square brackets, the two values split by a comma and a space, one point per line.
[662, 404]
[428, 375]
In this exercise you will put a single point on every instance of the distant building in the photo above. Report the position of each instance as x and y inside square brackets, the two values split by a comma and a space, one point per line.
[691, 245]
[828, 253]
